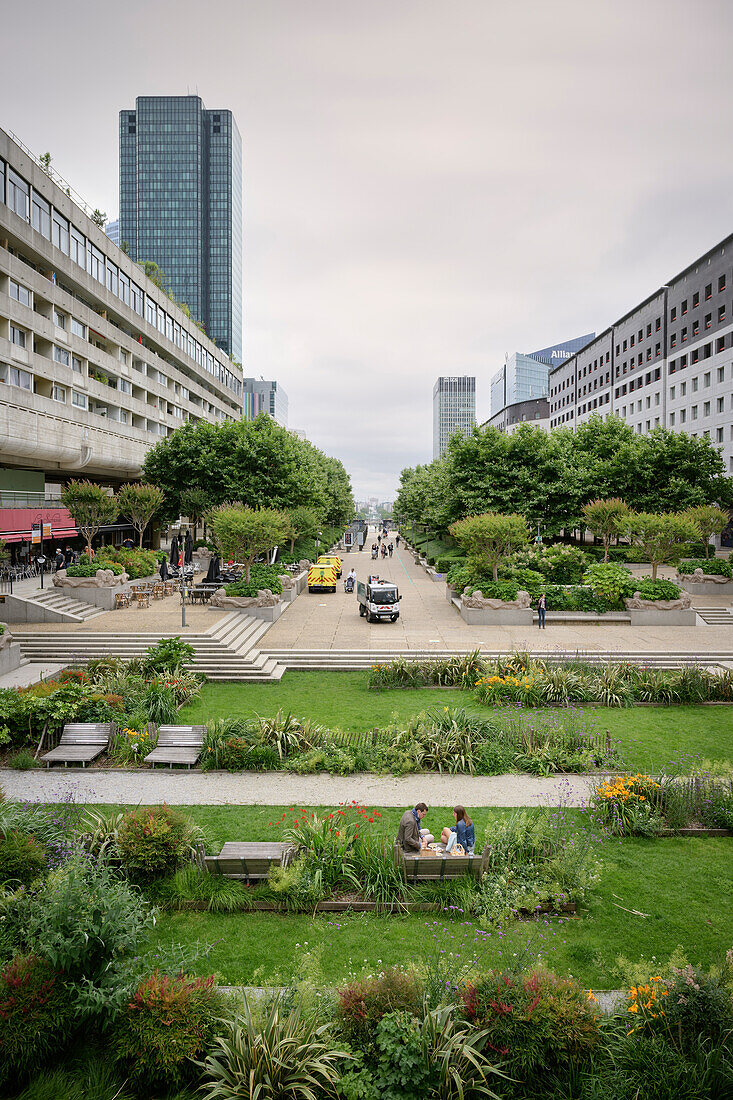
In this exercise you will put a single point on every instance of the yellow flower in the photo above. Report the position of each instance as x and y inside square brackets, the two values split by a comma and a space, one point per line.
[633, 1008]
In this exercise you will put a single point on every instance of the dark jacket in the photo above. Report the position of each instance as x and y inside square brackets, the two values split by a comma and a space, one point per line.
[408, 834]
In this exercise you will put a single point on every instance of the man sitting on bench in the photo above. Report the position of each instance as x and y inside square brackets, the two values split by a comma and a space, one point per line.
[410, 837]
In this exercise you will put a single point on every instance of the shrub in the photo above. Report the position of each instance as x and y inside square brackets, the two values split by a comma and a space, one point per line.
[284, 1056]
[261, 577]
[607, 580]
[87, 569]
[364, 1002]
[167, 655]
[653, 590]
[698, 1005]
[536, 1022]
[159, 702]
[714, 567]
[717, 808]
[621, 801]
[22, 858]
[131, 745]
[152, 842]
[168, 1022]
[36, 1016]
[22, 761]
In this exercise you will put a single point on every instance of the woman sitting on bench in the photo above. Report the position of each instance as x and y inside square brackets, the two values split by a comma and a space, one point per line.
[462, 832]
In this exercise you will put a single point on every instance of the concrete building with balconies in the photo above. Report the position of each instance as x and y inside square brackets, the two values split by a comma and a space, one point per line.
[97, 364]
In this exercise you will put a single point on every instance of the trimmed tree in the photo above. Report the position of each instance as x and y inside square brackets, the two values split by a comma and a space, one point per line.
[602, 518]
[243, 534]
[709, 520]
[659, 537]
[91, 508]
[140, 503]
[303, 523]
[491, 537]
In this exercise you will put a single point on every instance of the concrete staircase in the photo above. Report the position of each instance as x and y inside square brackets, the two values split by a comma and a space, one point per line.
[226, 651]
[50, 606]
[715, 616]
[346, 660]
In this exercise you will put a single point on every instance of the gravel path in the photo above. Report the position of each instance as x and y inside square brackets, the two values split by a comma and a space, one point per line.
[281, 789]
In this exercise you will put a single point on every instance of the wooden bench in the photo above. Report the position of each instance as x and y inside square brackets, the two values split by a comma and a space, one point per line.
[246, 861]
[81, 743]
[177, 745]
[429, 866]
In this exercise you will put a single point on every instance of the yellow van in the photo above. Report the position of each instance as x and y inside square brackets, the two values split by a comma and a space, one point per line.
[321, 578]
[331, 559]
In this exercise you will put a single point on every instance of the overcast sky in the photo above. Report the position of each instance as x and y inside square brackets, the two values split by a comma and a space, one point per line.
[427, 185]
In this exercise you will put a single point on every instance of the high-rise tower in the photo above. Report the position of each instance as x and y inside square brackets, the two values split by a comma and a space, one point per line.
[181, 206]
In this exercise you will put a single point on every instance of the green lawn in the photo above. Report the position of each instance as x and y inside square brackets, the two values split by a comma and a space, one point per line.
[651, 738]
[681, 892]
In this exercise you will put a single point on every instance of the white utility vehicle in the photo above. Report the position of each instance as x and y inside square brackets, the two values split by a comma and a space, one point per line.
[378, 600]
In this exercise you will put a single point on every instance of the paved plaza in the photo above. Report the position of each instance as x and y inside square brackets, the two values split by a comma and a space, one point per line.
[428, 621]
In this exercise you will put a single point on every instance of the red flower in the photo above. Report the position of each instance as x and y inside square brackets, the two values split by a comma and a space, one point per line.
[371, 819]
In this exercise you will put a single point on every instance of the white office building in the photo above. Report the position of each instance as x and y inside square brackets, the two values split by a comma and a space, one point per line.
[454, 409]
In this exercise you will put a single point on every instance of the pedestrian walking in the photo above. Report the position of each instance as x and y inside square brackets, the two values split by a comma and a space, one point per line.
[397, 541]
[391, 549]
[541, 609]
[60, 561]
[384, 550]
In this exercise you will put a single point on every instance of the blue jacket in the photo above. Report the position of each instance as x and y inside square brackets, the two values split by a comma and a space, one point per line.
[466, 834]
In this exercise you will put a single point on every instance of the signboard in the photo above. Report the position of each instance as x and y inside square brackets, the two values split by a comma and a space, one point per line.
[348, 538]
[36, 532]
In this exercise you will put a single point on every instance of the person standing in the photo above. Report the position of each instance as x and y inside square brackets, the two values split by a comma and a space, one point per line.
[541, 610]
[391, 549]
[60, 561]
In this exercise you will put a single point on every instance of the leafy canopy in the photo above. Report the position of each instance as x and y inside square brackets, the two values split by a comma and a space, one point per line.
[242, 534]
[90, 506]
[658, 536]
[602, 517]
[139, 502]
[491, 537]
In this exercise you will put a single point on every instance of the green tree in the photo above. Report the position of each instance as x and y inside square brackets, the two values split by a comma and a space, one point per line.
[194, 503]
[243, 534]
[303, 523]
[99, 218]
[154, 273]
[140, 503]
[709, 520]
[491, 537]
[658, 536]
[602, 517]
[91, 507]
[253, 461]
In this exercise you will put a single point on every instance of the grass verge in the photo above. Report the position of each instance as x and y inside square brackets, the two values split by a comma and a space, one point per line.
[650, 738]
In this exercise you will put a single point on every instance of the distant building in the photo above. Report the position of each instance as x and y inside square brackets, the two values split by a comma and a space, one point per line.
[524, 377]
[112, 229]
[667, 363]
[454, 409]
[269, 397]
[181, 206]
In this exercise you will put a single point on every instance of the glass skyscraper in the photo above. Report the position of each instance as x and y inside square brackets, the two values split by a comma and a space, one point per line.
[454, 409]
[181, 206]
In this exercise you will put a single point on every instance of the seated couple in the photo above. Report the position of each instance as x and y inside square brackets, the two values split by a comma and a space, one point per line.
[412, 838]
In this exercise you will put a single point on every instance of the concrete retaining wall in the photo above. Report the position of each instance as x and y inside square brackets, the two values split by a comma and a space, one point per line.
[657, 617]
[10, 657]
[707, 588]
[17, 610]
[496, 616]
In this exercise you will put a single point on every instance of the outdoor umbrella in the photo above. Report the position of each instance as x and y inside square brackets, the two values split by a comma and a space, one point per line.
[174, 550]
[189, 548]
[164, 569]
[212, 575]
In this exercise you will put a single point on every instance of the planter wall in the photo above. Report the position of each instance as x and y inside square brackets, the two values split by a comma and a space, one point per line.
[267, 614]
[659, 617]
[707, 588]
[496, 616]
[10, 653]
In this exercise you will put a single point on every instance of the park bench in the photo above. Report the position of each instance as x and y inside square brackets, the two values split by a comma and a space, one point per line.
[177, 745]
[247, 861]
[430, 866]
[81, 743]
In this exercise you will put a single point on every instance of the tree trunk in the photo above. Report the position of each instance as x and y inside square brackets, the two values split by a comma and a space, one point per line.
[292, 544]
[140, 544]
[606, 540]
[247, 568]
[495, 568]
[89, 550]
[654, 570]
